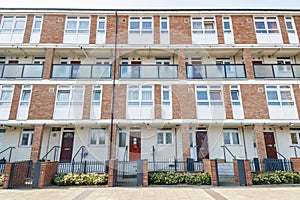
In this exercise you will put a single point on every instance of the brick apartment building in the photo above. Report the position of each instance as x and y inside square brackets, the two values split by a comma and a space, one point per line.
[180, 82]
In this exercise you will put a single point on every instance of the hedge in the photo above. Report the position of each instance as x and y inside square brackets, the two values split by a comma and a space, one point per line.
[81, 179]
[173, 178]
[1, 179]
[277, 177]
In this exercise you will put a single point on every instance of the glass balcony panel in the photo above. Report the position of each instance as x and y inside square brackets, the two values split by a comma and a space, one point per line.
[168, 72]
[1, 70]
[81, 71]
[33, 71]
[101, 71]
[13, 71]
[296, 70]
[235, 71]
[215, 71]
[128, 71]
[283, 71]
[196, 72]
[263, 71]
[148, 72]
[61, 71]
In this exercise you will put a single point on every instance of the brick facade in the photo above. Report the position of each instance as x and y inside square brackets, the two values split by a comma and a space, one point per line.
[15, 102]
[157, 101]
[113, 143]
[248, 63]
[48, 170]
[295, 164]
[93, 29]
[219, 25]
[53, 24]
[227, 101]
[185, 134]
[106, 101]
[87, 102]
[180, 30]
[243, 29]
[28, 29]
[145, 173]
[181, 64]
[120, 101]
[210, 167]
[260, 141]
[296, 91]
[284, 33]
[156, 22]
[37, 143]
[48, 63]
[184, 102]
[122, 29]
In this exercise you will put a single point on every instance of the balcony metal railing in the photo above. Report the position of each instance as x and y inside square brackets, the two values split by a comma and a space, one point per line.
[149, 72]
[21, 70]
[276, 71]
[68, 71]
[211, 71]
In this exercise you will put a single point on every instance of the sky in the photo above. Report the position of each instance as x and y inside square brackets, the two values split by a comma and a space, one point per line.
[155, 4]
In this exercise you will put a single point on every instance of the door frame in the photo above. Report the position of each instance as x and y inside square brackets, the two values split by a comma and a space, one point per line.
[69, 129]
[202, 131]
[194, 141]
[130, 133]
[275, 142]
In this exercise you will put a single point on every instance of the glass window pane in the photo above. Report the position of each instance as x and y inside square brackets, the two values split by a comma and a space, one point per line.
[37, 24]
[147, 25]
[160, 138]
[33, 71]
[101, 25]
[147, 95]
[272, 25]
[71, 24]
[260, 25]
[133, 95]
[234, 95]
[6, 96]
[20, 25]
[25, 139]
[286, 95]
[96, 96]
[226, 25]
[166, 95]
[202, 95]
[235, 138]
[272, 95]
[289, 25]
[197, 25]
[93, 138]
[12, 71]
[134, 25]
[164, 25]
[26, 95]
[84, 25]
[102, 137]
[215, 95]
[168, 138]
[7, 24]
[63, 96]
[294, 138]
[77, 96]
[226, 138]
[122, 139]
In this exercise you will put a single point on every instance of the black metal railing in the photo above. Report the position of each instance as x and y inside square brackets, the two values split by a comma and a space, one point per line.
[21, 70]
[224, 152]
[269, 164]
[83, 167]
[2, 168]
[54, 148]
[276, 71]
[211, 71]
[175, 165]
[10, 152]
[295, 149]
[68, 71]
[149, 71]
[81, 149]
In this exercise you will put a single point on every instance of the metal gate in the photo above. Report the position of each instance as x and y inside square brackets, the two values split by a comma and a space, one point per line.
[21, 175]
[225, 173]
[129, 173]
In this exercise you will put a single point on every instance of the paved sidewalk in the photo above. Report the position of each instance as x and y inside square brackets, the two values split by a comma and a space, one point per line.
[145, 193]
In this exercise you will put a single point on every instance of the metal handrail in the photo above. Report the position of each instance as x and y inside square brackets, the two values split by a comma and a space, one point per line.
[295, 150]
[125, 153]
[225, 147]
[277, 152]
[53, 148]
[153, 151]
[8, 148]
[80, 149]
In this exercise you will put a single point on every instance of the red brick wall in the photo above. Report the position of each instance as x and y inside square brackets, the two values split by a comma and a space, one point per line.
[297, 24]
[87, 102]
[145, 173]
[244, 31]
[53, 29]
[248, 63]
[28, 28]
[220, 29]
[157, 101]
[111, 168]
[254, 102]
[7, 171]
[260, 141]
[106, 101]
[93, 29]
[185, 134]
[284, 32]
[181, 64]
[48, 171]
[296, 164]
[180, 30]
[42, 102]
[297, 97]
[120, 101]
[156, 29]
[48, 63]
[210, 167]
[227, 101]
[37, 143]
[248, 172]
[184, 103]
[15, 102]
[122, 29]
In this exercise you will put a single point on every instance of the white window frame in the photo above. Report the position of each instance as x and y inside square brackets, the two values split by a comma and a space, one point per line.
[99, 133]
[203, 29]
[164, 133]
[164, 20]
[101, 30]
[267, 30]
[71, 90]
[226, 30]
[208, 89]
[235, 89]
[166, 102]
[290, 20]
[30, 133]
[297, 133]
[140, 89]
[140, 21]
[36, 19]
[96, 88]
[6, 88]
[14, 20]
[77, 30]
[25, 89]
[231, 132]
[280, 101]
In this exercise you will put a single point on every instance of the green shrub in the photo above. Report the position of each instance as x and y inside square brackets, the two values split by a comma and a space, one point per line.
[1, 179]
[277, 177]
[81, 179]
[173, 178]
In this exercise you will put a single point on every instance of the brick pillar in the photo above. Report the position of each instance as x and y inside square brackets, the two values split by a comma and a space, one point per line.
[157, 101]
[248, 172]
[211, 168]
[227, 101]
[248, 63]
[220, 29]
[181, 64]
[113, 149]
[7, 175]
[93, 29]
[28, 28]
[156, 29]
[117, 57]
[37, 143]
[284, 33]
[87, 102]
[48, 171]
[185, 134]
[112, 167]
[260, 141]
[236, 171]
[295, 164]
[145, 172]
[48, 63]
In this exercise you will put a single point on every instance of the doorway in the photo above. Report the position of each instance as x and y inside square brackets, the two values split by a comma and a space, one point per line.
[67, 147]
[270, 145]
[135, 146]
[202, 145]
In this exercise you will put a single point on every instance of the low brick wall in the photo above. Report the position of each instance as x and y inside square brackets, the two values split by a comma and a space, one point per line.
[145, 173]
[6, 175]
[48, 171]
[111, 172]
[211, 168]
[247, 172]
[296, 164]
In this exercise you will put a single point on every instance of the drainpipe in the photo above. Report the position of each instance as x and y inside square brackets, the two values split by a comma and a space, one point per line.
[176, 141]
[113, 87]
[244, 141]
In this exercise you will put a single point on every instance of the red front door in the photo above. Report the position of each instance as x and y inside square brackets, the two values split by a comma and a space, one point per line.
[270, 145]
[135, 146]
[67, 147]
[202, 145]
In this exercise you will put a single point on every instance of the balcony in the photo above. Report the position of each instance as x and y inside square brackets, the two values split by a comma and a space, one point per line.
[228, 71]
[276, 71]
[68, 71]
[21, 71]
[149, 72]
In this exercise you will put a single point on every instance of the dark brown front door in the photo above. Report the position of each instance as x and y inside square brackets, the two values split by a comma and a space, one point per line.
[202, 145]
[67, 147]
[270, 145]
[135, 146]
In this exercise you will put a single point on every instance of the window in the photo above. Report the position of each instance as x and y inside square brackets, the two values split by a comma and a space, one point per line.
[122, 138]
[24, 102]
[209, 95]
[279, 95]
[140, 25]
[166, 99]
[12, 29]
[164, 25]
[290, 26]
[295, 136]
[96, 102]
[164, 136]
[227, 27]
[97, 136]
[231, 136]
[101, 25]
[27, 137]
[6, 95]
[235, 95]
[203, 25]
[266, 25]
[77, 30]
[37, 24]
